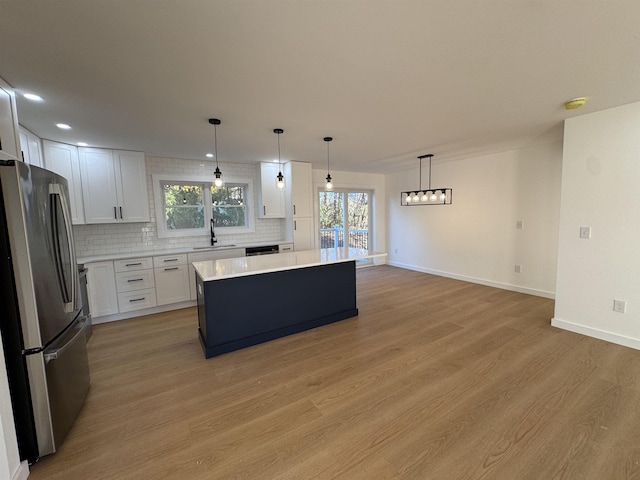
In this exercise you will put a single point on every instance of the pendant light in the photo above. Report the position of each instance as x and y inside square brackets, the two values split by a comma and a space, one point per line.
[218, 180]
[329, 185]
[280, 176]
[429, 196]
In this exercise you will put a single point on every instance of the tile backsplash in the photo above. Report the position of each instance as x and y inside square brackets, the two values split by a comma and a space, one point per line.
[105, 239]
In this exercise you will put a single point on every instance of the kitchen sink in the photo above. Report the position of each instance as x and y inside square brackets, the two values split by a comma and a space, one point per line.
[210, 247]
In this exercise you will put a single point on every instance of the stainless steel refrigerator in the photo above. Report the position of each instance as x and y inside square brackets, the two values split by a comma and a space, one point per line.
[41, 323]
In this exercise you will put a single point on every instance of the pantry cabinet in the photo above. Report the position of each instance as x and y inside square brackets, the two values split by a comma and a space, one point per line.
[63, 160]
[299, 203]
[114, 186]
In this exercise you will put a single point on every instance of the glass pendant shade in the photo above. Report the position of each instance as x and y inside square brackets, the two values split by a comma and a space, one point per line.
[329, 185]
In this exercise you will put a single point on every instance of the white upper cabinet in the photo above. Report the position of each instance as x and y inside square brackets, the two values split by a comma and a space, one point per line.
[9, 140]
[31, 147]
[114, 186]
[63, 160]
[271, 199]
[299, 183]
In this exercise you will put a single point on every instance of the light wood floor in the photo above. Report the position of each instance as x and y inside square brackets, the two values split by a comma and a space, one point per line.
[436, 379]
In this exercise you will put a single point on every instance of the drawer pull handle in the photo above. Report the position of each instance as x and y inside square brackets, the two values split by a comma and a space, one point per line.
[132, 264]
[138, 299]
[172, 268]
[135, 280]
[171, 260]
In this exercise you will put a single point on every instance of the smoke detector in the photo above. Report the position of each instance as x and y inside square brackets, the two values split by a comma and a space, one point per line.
[575, 103]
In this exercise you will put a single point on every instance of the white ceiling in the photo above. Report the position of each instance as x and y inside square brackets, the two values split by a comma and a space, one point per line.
[389, 80]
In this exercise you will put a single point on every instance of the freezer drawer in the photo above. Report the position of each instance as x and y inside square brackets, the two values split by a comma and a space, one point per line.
[67, 371]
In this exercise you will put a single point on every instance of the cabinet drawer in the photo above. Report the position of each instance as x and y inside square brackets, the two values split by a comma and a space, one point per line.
[285, 247]
[137, 300]
[138, 280]
[169, 260]
[133, 264]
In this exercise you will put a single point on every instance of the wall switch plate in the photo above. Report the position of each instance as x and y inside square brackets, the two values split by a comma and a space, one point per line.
[620, 306]
[585, 232]
[519, 224]
[518, 268]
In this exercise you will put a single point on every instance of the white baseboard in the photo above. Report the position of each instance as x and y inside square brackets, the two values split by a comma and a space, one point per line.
[22, 473]
[481, 281]
[597, 333]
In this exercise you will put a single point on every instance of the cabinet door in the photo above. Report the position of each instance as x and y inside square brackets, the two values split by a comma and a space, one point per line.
[99, 186]
[172, 284]
[271, 198]
[101, 286]
[303, 238]
[63, 160]
[131, 186]
[301, 194]
[9, 139]
[24, 146]
[35, 150]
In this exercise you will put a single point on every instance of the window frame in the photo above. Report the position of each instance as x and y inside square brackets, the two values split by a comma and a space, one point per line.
[206, 181]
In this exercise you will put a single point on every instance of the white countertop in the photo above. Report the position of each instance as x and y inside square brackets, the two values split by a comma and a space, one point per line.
[239, 267]
[172, 251]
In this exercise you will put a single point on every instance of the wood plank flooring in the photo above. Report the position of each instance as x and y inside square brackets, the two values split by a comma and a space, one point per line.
[435, 379]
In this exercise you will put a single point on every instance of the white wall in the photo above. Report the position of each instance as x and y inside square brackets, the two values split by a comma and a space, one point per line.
[475, 239]
[600, 189]
[364, 181]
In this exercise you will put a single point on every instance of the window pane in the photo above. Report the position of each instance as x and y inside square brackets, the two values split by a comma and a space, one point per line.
[229, 216]
[182, 194]
[184, 217]
[229, 209]
[228, 195]
[331, 219]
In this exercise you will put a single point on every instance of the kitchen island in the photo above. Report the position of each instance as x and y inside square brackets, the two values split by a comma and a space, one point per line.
[249, 300]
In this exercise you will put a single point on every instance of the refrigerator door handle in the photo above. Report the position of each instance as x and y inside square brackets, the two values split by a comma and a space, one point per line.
[68, 294]
[53, 355]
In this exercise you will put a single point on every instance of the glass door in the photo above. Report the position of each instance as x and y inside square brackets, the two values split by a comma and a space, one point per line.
[345, 219]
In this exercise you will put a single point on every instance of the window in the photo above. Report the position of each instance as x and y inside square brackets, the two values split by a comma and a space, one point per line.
[185, 206]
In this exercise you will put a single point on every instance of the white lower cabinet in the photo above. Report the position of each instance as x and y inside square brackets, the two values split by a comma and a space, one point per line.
[101, 286]
[135, 284]
[172, 279]
[211, 255]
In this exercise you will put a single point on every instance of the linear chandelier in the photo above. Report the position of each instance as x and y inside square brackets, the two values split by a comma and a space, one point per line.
[428, 196]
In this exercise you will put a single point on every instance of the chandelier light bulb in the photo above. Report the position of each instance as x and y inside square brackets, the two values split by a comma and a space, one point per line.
[408, 199]
[433, 196]
[424, 197]
[443, 196]
[416, 198]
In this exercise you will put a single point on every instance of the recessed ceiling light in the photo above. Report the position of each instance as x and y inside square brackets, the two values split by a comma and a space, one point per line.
[575, 103]
[63, 126]
[82, 144]
[33, 96]
[209, 155]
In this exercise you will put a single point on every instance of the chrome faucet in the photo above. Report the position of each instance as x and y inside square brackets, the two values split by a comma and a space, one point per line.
[213, 235]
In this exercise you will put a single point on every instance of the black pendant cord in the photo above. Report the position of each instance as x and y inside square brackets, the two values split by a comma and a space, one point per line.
[215, 142]
[279, 158]
[420, 173]
[430, 171]
[328, 169]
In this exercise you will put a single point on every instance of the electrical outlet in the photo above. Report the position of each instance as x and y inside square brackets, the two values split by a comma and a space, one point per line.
[519, 224]
[518, 268]
[620, 306]
[585, 232]
[87, 241]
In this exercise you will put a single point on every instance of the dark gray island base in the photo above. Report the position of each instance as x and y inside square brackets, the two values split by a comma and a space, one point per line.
[238, 312]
